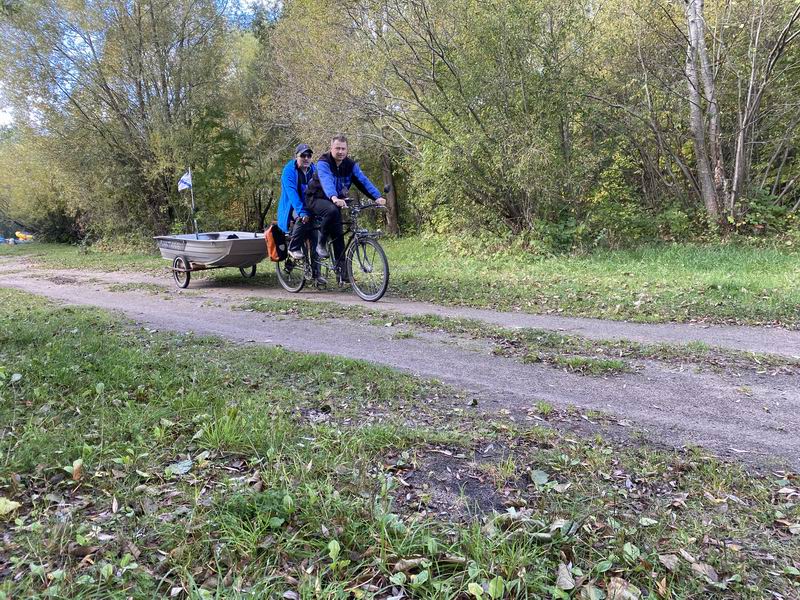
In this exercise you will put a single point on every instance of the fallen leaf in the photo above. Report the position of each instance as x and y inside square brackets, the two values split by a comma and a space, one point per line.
[407, 564]
[590, 592]
[77, 469]
[734, 547]
[706, 571]
[180, 468]
[78, 551]
[686, 555]
[565, 580]
[669, 561]
[647, 522]
[619, 589]
[539, 477]
[7, 506]
[679, 500]
[661, 586]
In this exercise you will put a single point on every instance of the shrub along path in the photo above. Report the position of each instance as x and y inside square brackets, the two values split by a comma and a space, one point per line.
[742, 412]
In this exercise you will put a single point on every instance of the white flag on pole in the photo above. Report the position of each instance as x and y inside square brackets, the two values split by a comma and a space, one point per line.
[185, 182]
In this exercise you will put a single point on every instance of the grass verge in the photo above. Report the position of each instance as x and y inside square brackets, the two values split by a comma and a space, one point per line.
[136, 464]
[575, 353]
[681, 282]
[63, 256]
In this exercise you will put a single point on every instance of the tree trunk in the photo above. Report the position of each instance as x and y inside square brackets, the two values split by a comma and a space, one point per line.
[392, 214]
[716, 158]
[708, 187]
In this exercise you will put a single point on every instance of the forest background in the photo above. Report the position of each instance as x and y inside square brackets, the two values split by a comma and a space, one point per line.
[549, 125]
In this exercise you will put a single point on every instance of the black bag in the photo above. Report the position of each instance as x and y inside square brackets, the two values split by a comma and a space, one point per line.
[276, 243]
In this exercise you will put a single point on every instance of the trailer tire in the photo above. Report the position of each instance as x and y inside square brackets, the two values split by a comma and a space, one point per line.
[180, 271]
[248, 272]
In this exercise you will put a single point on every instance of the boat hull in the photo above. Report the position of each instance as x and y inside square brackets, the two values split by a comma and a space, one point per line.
[215, 249]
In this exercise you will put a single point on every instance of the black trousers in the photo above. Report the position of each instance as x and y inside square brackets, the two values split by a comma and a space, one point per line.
[331, 225]
[300, 233]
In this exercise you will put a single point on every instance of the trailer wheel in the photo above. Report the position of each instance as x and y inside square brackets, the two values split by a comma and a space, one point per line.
[180, 271]
[248, 272]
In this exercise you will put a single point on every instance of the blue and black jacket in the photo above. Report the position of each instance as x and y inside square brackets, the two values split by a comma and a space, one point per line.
[329, 180]
[293, 189]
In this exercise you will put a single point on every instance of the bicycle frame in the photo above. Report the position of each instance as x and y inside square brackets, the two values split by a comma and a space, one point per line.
[352, 234]
[363, 265]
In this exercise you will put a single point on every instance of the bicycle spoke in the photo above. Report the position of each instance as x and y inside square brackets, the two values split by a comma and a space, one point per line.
[369, 269]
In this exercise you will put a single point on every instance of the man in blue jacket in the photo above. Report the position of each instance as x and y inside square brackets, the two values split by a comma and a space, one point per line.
[328, 188]
[294, 180]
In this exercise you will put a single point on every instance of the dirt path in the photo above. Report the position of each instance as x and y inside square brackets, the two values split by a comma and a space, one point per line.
[748, 416]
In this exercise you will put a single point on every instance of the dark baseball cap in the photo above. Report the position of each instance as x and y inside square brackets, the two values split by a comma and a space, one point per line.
[302, 148]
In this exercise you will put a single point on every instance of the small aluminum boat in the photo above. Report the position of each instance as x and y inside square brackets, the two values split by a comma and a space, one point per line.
[196, 252]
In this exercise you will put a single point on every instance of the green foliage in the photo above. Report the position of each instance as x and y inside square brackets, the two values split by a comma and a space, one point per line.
[674, 224]
[547, 125]
[615, 216]
[762, 214]
[130, 119]
[57, 226]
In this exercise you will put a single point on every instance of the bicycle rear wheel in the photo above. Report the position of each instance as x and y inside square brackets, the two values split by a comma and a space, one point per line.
[291, 275]
[368, 269]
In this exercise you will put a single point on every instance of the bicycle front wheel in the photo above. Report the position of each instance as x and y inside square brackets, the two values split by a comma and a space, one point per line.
[291, 275]
[368, 269]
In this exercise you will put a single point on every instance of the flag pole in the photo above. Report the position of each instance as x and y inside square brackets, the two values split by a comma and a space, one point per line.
[194, 218]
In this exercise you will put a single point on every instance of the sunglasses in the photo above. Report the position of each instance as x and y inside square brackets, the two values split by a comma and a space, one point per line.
[306, 155]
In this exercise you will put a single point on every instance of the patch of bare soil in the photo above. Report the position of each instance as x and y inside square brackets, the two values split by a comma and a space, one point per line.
[61, 280]
[448, 484]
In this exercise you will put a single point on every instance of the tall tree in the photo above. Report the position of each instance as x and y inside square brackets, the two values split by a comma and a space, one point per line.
[125, 82]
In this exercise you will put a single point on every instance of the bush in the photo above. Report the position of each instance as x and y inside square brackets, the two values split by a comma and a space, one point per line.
[615, 216]
[58, 225]
[137, 242]
[675, 224]
[761, 215]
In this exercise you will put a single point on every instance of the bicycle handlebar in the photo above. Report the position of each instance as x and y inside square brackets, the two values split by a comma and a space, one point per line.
[366, 206]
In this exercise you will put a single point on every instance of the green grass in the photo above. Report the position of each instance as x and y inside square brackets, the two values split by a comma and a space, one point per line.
[592, 366]
[714, 283]
[682, 282]
[148, 464]
[62, 256]
[576, 353]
